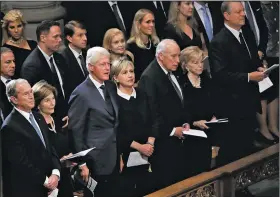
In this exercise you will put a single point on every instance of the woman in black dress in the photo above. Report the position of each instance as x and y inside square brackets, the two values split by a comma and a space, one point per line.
[200, 102]
[44, 95]
[182, 27]
[13, 38]
[143, 40]
[114, 41]
[135, 129]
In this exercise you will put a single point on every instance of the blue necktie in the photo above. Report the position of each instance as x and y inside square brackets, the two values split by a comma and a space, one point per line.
[32, 120]
[207, 23]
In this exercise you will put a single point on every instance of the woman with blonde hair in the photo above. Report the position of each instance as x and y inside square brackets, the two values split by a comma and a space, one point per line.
[182, 27]
[135, 130]
[13, 37]
[143, 40]
[114, 41]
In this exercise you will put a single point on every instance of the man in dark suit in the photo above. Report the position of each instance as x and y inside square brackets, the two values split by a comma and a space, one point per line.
[31, 165]
[7, 72]
[236, 71]
[94, 119]
[254, 21]
[209, 18]
[76, 41]
[165, 98]
[45, 63]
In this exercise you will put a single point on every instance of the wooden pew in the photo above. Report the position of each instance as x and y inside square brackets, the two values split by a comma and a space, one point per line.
[224, 181]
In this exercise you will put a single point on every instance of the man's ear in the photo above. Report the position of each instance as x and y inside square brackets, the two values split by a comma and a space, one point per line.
[13, 100]
[226, 16]
[69, 38]
[43, 38]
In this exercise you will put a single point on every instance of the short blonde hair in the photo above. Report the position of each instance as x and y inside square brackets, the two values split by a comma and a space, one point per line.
[118, 66]
[41, 90]
[188, 54]
[135, 35]
[108, 37]
[11, 16]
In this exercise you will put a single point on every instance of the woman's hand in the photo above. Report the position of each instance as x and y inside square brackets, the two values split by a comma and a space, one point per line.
[66, 118]
[201, 124]
[146, 149]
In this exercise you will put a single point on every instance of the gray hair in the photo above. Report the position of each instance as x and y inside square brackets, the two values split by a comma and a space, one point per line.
[5, 50]
[94, 54]
[225, 7]
[11, 88]
[163, 45]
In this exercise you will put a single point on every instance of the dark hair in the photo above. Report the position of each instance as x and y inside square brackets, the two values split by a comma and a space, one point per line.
[44, 27]
[69, 29]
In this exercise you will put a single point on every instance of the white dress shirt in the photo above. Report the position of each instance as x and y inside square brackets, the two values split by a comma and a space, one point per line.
[199, 10]
[76, 54]
[26, 115]
[97, 85]
[4, 79]
[47, 57]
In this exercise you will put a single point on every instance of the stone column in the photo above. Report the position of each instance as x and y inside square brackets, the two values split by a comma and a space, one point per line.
[35, 12]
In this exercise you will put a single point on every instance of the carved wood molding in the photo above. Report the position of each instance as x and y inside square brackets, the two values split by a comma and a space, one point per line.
[257, 173]
[208, 190]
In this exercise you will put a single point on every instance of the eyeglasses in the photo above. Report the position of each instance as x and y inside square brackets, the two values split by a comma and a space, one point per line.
[103, 65]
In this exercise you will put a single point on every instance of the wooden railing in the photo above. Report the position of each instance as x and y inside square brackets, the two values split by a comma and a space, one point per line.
[224, 181]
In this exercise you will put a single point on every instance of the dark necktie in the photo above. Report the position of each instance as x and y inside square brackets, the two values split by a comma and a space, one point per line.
[119, 20]
[55, 77]
[108, 102]
[243, 43]
[83, 64]
[32, 120]
[249, 15]
[175, 87]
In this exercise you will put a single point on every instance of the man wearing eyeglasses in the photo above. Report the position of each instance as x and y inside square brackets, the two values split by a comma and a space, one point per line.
[94, 119]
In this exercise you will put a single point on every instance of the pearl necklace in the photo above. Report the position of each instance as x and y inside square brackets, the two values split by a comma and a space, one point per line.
[196, 84]
[149, 44]
[17, 42]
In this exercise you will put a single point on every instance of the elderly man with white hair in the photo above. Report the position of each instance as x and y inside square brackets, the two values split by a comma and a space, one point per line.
[169, 117]
[93, 121]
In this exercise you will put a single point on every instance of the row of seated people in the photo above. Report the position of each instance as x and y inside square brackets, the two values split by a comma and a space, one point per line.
[56, 73]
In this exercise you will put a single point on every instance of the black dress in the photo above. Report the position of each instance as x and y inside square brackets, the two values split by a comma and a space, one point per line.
[21, 54]
[135, 125]
[142, 57]
[183, 40]
[60, 142]
[200, 103]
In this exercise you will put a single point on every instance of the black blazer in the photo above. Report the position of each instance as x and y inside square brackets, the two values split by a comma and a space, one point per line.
[74, 71]
[257, 10]
[217, 20]
[7, 106]
[230, 67]
[164, 103]
[91, 125]
[25, 159]
[36, 68]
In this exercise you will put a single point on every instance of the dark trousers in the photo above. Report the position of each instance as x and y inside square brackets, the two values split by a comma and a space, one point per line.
[237, 141]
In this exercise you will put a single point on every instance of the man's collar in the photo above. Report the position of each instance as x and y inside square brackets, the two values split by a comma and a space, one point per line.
[164, 70]
[96, 83]
[24, 113]
[233, 31]
[76, 54]
[47, 57]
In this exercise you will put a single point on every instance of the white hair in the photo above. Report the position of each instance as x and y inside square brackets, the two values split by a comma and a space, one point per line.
[94, 54]
[163, 45]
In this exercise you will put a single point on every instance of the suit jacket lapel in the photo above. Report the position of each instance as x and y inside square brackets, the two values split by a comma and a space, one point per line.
[113, 99]
[28, 127]
[42, 128]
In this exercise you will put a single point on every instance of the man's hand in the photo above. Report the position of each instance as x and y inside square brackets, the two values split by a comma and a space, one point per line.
[66, 118]
[261, 55]
[146, 149]
[257, 76]
[121, 164]
[179, 132]
[201, 124]
[53, 182]
[84, 173]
